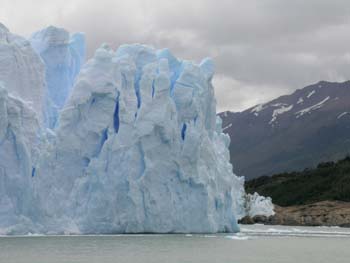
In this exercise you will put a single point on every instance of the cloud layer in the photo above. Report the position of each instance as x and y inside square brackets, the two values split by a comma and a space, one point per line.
[262, 49]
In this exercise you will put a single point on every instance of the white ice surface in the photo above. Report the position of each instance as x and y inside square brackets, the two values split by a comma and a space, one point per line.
[137, 146]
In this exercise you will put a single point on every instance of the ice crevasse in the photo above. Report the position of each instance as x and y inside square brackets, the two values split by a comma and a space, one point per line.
[63, 55]
[135, 147]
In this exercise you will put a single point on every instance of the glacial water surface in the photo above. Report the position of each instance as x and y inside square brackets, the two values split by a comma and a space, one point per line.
[263, 244]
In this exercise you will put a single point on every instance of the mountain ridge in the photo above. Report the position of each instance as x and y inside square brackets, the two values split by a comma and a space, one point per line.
[291, 132]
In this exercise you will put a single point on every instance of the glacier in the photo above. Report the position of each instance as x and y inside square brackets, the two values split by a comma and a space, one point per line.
[126, 142]
[257, 205]
[63, 55]
[22, 71]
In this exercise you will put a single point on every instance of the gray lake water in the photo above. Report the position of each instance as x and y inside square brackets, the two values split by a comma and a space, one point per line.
[266, 244]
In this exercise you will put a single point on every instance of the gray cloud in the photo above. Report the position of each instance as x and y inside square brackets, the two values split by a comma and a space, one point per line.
[262, 49]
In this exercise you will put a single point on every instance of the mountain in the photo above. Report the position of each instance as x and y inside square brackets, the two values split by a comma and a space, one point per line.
[292, 132]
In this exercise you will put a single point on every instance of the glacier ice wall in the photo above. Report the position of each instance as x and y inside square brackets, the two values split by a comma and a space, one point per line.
[22, 71]
[19, 148]
[259, 205]
[139, 149]
[137, 146]
[63, 55]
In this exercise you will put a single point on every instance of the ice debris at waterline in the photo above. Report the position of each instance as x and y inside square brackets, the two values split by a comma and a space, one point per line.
[257, 205]
[136, 147]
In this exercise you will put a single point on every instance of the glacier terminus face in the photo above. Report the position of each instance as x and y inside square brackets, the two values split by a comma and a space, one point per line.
[128, 142]
[63, 55]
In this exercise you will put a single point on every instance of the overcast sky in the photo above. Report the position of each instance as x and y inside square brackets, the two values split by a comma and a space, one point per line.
[261, 48]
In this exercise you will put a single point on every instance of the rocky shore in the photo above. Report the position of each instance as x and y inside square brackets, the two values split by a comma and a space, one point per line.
[325, 213]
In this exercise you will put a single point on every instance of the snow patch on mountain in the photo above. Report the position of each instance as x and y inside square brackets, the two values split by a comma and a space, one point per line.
[228, 126]
[311, 93]
[342, 114]
[280, 111]
[257, 109]
[278, 104]
[311, 108]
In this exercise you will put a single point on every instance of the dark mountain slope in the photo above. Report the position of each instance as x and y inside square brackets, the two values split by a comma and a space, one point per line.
[292, 132]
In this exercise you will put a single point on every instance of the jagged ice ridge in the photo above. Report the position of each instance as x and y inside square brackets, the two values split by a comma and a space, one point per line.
[128, 142]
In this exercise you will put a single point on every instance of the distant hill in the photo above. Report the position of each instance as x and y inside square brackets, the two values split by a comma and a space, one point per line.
[292, 132]
[328, 182]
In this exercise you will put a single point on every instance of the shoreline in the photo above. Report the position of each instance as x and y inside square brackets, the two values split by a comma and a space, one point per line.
[325, 213]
